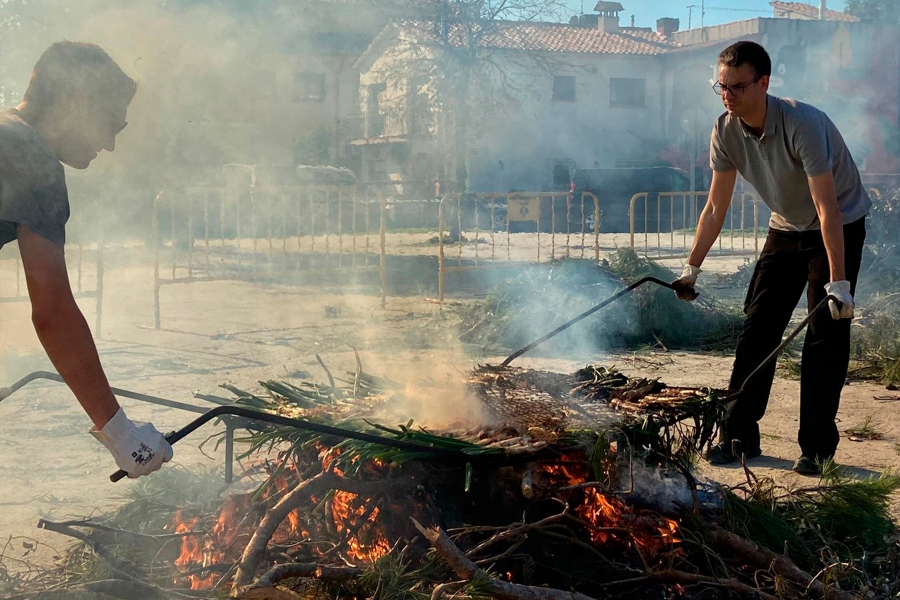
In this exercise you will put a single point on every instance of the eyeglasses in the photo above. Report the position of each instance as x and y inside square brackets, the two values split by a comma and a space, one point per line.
[114, 123]
[736, 89]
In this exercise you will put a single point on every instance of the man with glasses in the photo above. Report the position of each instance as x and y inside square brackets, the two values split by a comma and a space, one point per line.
[73, 108]
[797, 161]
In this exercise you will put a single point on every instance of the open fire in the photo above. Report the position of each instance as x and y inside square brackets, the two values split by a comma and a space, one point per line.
[536, 509]
[357, 530]
[340, 526]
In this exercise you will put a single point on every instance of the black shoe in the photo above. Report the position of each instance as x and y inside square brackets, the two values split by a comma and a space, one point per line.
[721, 454]
[806, 465]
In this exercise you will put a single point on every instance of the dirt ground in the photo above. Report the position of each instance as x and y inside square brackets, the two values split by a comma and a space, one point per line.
[241, 333]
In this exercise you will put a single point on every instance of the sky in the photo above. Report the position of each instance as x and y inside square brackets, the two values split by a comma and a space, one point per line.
[646, 12]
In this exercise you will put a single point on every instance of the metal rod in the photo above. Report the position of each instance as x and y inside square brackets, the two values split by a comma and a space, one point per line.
[382, 205]
[155, 242]
[255, 415]
[80, 261]
[538, 202]
[788, 339]
[190, 235]
[229, 451]
[98, 298]
[493, 217]
[597, 217]
[552, 228]
[50, 376]
[440, 250]
[588, 313]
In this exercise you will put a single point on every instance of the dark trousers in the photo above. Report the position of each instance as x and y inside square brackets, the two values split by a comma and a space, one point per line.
[789, 261]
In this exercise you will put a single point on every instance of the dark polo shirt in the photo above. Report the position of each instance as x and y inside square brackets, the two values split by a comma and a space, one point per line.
[32, 183]
[799, 141]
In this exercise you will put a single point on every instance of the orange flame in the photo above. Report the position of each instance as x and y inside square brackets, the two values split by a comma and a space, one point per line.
[348, 514]
[608, 514]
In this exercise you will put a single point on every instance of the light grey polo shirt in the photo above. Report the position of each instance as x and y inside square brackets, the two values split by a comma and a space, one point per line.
[799, 141]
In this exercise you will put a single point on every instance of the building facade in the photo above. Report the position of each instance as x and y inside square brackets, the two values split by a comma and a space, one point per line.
[547, 98]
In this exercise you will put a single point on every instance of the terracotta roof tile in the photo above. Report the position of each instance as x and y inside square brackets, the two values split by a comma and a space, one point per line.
[550, 37]
[809, 11]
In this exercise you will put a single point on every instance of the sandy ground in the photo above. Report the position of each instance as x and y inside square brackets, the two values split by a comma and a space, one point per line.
[241, 333]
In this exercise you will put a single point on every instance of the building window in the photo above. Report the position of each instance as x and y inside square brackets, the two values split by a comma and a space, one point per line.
[309, 86]
[419, 107]
[627, 92]
[562, 173]
[377, 171]
[563, 88]
[374, 118]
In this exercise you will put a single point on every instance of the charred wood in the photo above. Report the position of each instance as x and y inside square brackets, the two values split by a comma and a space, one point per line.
[318, 485]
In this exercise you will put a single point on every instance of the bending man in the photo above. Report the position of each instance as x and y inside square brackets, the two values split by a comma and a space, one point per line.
[73, 108]
[796, 159]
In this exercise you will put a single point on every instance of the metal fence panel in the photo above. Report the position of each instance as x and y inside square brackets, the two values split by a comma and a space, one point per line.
[669, 216]
[86, 269]
[558, 220]
[256, 233]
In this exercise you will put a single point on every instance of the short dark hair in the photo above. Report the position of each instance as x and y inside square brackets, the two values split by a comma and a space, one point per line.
[747, 53]
[67, 67]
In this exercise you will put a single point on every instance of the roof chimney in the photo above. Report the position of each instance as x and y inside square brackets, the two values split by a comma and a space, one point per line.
[608, 16]
[667, 26]
[822, 9]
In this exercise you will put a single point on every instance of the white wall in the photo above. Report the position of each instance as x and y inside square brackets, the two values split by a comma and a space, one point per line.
[533, 130]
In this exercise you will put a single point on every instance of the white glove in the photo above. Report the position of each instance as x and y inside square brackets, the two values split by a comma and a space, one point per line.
[684, 285]
[841, 291]
[139, 449]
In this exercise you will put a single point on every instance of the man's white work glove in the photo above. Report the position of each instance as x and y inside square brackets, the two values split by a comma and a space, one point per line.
[139, 449]
[684, 285]
[841, 291]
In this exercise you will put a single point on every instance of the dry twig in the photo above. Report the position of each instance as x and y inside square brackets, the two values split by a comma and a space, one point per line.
[780, 564]
[468, 570]
[118, 567]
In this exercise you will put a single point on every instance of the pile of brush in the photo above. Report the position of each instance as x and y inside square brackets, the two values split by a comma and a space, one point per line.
[562, 496]
[525, 307]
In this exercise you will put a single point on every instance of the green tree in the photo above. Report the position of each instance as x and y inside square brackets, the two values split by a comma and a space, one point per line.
[468, 81]
[9, 19]
[885, 12]
[314, 148]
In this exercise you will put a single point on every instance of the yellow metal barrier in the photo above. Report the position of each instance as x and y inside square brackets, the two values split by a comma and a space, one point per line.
[691, 205]
[78, 260]
[505, 212]
[255, 232]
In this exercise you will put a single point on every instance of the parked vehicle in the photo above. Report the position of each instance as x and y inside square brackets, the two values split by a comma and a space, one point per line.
[615, 188]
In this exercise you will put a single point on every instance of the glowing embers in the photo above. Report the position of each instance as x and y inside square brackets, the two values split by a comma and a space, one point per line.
[357, 520]
[611, 519]
[334, 526]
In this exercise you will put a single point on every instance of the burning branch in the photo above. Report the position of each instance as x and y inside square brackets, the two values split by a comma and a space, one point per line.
[319, 485]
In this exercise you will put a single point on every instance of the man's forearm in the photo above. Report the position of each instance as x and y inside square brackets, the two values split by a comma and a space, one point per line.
[712, 217]
[825, 199]
[833, 236]
[708, 229]
[67, 340]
